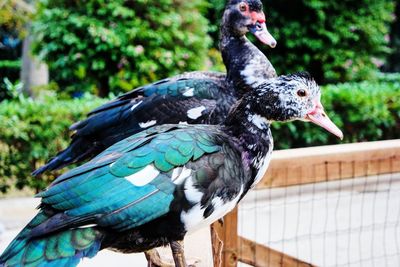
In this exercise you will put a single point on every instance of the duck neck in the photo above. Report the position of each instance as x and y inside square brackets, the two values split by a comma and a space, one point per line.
[253, 136]
[246, 65]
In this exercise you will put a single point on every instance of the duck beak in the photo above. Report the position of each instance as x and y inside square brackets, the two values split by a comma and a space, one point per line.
[261, 32]
[319, 117]
[259, 29]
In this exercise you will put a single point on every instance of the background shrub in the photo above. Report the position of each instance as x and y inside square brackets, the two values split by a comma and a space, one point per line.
[100, 45]
[12, 21]
[32, 131]
[10, 70]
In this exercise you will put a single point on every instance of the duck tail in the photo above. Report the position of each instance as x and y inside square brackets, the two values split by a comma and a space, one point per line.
[63, 248]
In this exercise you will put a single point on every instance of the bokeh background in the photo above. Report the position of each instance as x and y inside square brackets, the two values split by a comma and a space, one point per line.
[61, 58]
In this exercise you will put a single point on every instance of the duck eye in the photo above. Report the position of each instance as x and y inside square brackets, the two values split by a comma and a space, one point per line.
[302, 93]
[242, 7]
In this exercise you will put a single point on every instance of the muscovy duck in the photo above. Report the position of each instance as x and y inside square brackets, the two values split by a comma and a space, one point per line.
[195, 97]
[150, 189]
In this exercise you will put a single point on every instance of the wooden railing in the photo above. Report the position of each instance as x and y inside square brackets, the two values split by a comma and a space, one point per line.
[298, 167]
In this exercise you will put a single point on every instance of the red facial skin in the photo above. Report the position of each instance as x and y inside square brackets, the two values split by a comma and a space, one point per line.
[254, 15]
[257, 17]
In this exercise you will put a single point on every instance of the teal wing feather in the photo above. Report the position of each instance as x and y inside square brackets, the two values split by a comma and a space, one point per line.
[204, 87]
[100, 191]
[64, 248]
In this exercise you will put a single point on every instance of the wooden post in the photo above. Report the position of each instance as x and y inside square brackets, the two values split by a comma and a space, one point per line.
[225, 241]
[258, 255]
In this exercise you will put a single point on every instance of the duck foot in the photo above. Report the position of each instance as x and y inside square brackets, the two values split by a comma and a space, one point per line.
[179, 254]
[154, 259]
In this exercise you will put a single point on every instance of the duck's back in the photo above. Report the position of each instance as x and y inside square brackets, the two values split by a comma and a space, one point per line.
[192, 98]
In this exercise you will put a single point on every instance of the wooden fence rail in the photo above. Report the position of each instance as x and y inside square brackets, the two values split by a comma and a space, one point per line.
[297, 167]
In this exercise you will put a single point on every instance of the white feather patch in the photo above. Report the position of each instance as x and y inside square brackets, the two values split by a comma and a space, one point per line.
[183, 122]
[191, 192]
[143, 177]
[251, 72]
[194, 113]
[87, 226]
[147, 124]
[262, 165]
[258, 121]
[137, 104]
[189, 92]
[194, 218]
[262, 170]
[179, 175]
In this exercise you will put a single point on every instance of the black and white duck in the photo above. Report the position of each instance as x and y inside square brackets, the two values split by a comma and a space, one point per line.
[195, 97]
[150, 189]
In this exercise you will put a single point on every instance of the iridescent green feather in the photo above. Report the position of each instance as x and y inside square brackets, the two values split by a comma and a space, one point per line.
[186, 149]
[174, 157]
[34, 250]
[161, 163]
[58, 249]
[183, 136]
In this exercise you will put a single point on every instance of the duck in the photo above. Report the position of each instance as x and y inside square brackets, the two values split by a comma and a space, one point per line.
[193, 98]
[155, 186]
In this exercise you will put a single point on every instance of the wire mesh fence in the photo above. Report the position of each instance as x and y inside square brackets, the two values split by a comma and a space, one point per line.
[344, 211]
[341, 223]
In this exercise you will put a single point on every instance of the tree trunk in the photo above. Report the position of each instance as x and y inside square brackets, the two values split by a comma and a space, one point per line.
[33, 72]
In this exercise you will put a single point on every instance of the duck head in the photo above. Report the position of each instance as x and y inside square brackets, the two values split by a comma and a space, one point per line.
[287, 98]
[243, 16]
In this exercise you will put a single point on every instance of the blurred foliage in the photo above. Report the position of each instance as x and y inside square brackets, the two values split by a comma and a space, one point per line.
[118, 45]
[14, 14]
[214, 15]
[14, 64]
[33, 131]
[336, 41]
[9, 71]
[365, 111]
[10, 90]
[393, 64]
[214, 61]
[99, 45]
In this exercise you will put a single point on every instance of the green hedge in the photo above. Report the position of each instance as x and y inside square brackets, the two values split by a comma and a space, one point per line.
[119, 45]
[12, 64]
[32, 131]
